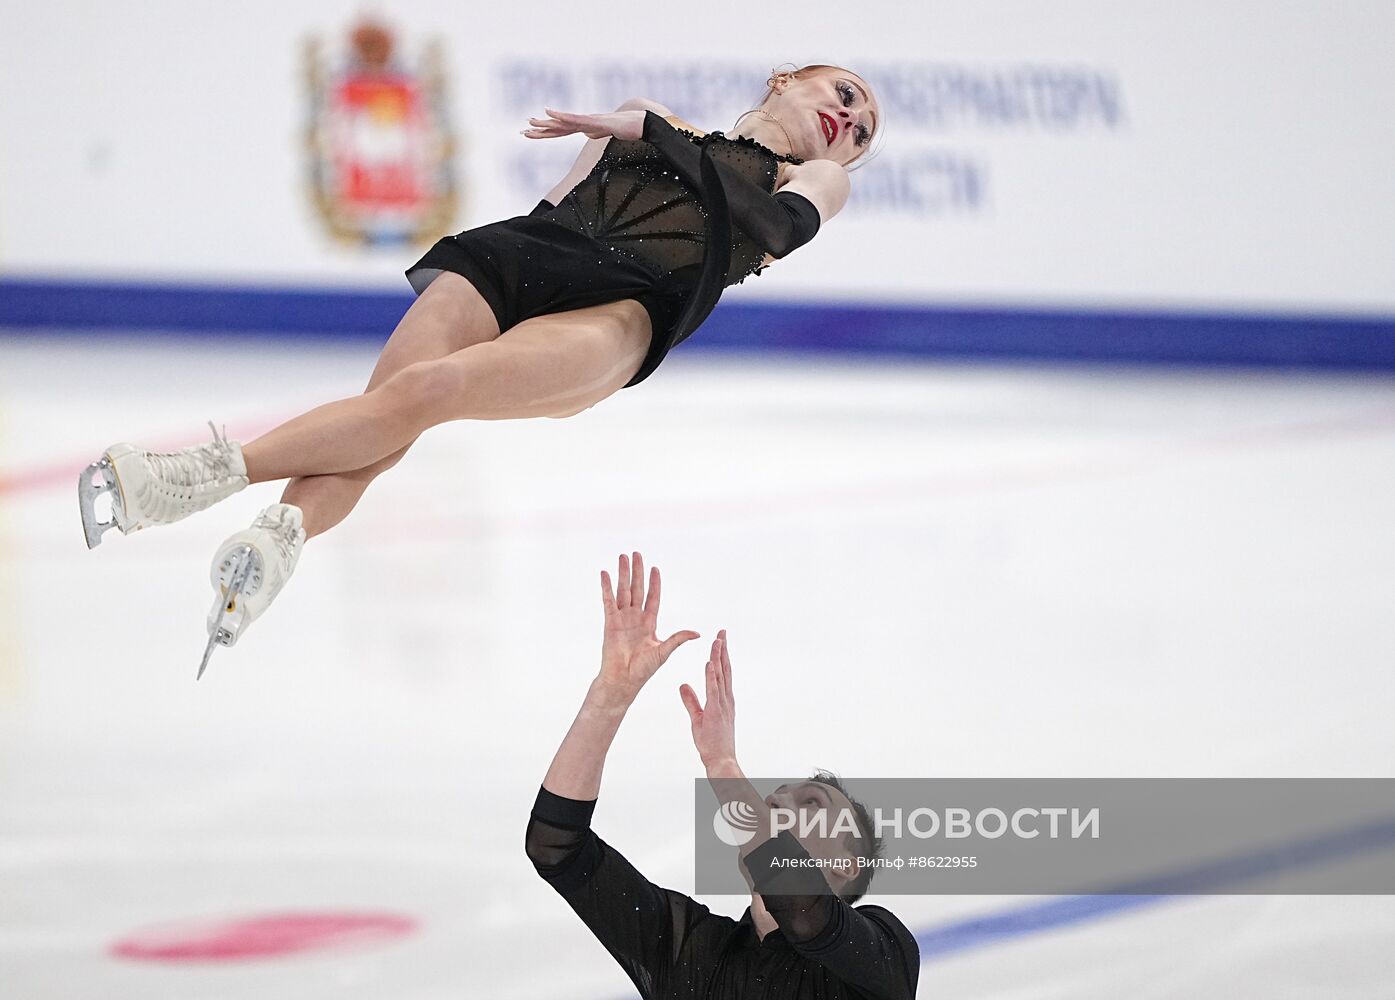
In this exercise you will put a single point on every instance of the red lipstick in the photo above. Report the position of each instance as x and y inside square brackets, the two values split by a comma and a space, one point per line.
[830, 128]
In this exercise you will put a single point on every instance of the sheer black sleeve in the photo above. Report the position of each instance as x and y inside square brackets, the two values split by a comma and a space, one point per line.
[865, 946]
[778, 223]
[643, 926]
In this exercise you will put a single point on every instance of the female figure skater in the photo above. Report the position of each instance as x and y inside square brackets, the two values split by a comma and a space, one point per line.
[622, 260]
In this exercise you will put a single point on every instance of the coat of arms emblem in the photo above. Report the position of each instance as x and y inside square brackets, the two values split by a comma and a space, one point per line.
[380, 147]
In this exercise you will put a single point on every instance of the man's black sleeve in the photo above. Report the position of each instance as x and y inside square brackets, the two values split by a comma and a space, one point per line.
[643, 926]
[866, 947]
[778, 223]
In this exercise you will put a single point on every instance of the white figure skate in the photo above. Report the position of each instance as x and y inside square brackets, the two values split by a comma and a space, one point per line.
[149, 488]
[249, 571]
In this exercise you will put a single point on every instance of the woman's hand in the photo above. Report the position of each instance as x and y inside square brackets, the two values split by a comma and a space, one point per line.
[631, 652]
[620, 124]
[714, 724]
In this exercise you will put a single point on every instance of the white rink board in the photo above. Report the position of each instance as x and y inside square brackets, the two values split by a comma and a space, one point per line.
[1235, 155]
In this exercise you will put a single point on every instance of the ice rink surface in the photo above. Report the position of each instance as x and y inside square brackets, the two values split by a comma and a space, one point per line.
[926, 570]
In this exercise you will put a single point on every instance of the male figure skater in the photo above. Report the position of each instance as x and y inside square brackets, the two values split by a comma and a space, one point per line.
[800, 937]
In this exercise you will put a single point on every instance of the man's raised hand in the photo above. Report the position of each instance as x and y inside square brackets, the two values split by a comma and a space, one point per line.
[632, 652]
[714, 724]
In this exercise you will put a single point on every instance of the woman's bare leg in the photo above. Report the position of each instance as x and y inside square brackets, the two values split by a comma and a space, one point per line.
[449, 316]
[549, 366]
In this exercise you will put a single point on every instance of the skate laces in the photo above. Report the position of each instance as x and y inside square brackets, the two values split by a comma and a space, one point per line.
[196, 465]
[283, 533]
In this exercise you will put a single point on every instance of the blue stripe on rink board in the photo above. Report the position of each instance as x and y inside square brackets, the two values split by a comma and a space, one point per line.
[1083, 335]
[1212, 877]
[1022, 921]
[200, 308]
[1284, 340]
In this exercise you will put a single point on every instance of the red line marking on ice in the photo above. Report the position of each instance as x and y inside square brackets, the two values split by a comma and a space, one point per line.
[66, 473]
[1369, 420]
[37, 479]
[272, 935]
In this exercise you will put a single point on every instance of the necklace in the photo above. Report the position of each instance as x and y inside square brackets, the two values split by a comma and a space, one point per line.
[778, 124]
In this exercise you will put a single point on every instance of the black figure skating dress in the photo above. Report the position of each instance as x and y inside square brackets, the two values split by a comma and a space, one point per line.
[669, 220]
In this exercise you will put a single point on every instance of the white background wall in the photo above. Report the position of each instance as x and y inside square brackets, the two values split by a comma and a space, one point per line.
[1248, 165]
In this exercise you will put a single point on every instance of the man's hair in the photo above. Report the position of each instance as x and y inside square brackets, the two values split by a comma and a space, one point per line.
[866, 846]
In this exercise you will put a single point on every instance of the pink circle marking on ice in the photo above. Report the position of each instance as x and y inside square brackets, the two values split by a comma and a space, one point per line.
[271, 935]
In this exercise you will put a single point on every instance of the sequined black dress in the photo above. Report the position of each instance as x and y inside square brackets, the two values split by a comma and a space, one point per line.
[644, 225]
